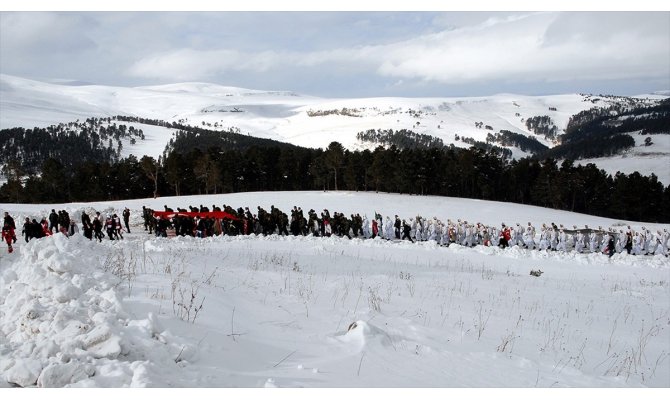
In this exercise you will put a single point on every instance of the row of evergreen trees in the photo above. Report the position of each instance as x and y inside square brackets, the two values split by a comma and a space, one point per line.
[513, 139]
[95, 139]
[402, 138]
[470, 173]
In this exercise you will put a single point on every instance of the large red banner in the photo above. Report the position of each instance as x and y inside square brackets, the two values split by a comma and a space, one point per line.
[211, 214]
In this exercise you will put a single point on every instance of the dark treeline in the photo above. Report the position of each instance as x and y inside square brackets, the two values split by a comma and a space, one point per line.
[523, 142]
[96, 139]
[88, 181]
[192, 138]
[402, 138]
[487, 147]
[469, 173]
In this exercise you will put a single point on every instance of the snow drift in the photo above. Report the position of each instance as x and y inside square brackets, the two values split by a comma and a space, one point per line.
[275, 311]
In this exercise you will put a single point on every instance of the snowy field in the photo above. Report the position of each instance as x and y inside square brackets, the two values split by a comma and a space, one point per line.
[276, 311]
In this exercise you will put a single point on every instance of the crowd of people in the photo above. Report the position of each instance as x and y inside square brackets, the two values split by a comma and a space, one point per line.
[205, 222]
[196, 222]
[61, 222]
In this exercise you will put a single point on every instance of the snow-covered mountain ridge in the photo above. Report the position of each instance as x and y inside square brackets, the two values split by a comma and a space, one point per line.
[311, 121]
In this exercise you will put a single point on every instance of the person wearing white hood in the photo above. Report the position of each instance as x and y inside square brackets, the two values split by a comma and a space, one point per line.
[529, 237]
[366, 227]
[467, 235]
[389, 232]
[458, 231]
[553, 238]
[444, 235]
[544, 238]
[605, 240]
[380, 226]
[494, 235]
[579, 242]
[593, 240]
[562, 241]
[421, 229]
[433, 230]
[637, 244]
[415, 224]
[650, 243]
[661, 243]
[620, 241]
[518, 235]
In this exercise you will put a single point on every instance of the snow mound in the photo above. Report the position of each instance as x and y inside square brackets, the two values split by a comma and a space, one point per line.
[362, 334]
[62, 322]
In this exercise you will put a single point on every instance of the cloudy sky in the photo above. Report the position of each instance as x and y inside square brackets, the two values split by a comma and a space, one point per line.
[347, 54]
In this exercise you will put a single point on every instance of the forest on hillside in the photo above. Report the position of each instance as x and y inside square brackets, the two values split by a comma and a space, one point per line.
[41, 167]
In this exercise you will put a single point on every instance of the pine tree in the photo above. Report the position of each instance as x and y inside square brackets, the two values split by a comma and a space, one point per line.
[151, 169]
[334, 157]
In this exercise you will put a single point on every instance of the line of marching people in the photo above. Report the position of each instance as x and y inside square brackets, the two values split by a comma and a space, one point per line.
[548, 237]
[196, 221]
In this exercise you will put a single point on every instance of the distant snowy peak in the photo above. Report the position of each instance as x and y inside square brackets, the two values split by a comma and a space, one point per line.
[182, 87]
[211, 89]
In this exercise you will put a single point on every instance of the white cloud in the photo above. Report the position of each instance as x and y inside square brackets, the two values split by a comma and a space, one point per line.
[189, 64]
[518, 49]
[523, 47]
[39, 30]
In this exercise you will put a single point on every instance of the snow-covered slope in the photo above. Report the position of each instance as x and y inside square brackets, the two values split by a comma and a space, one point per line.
[290, 117]
[328, 312]
[647, 160]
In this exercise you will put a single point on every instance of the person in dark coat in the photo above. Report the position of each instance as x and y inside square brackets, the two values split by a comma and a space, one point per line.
[629, 242]
[85, 219]
[610, 246]
[86, 225]
[97, 226]
[126, 218]
[26, 232]
[406, 229]
[36, 229]
[63, 221]
[161, 227]
[53, 221]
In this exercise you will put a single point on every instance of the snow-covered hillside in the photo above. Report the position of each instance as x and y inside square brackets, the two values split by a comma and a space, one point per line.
[298, 119]
[253, 311]
[304, 120]
[279, 115]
